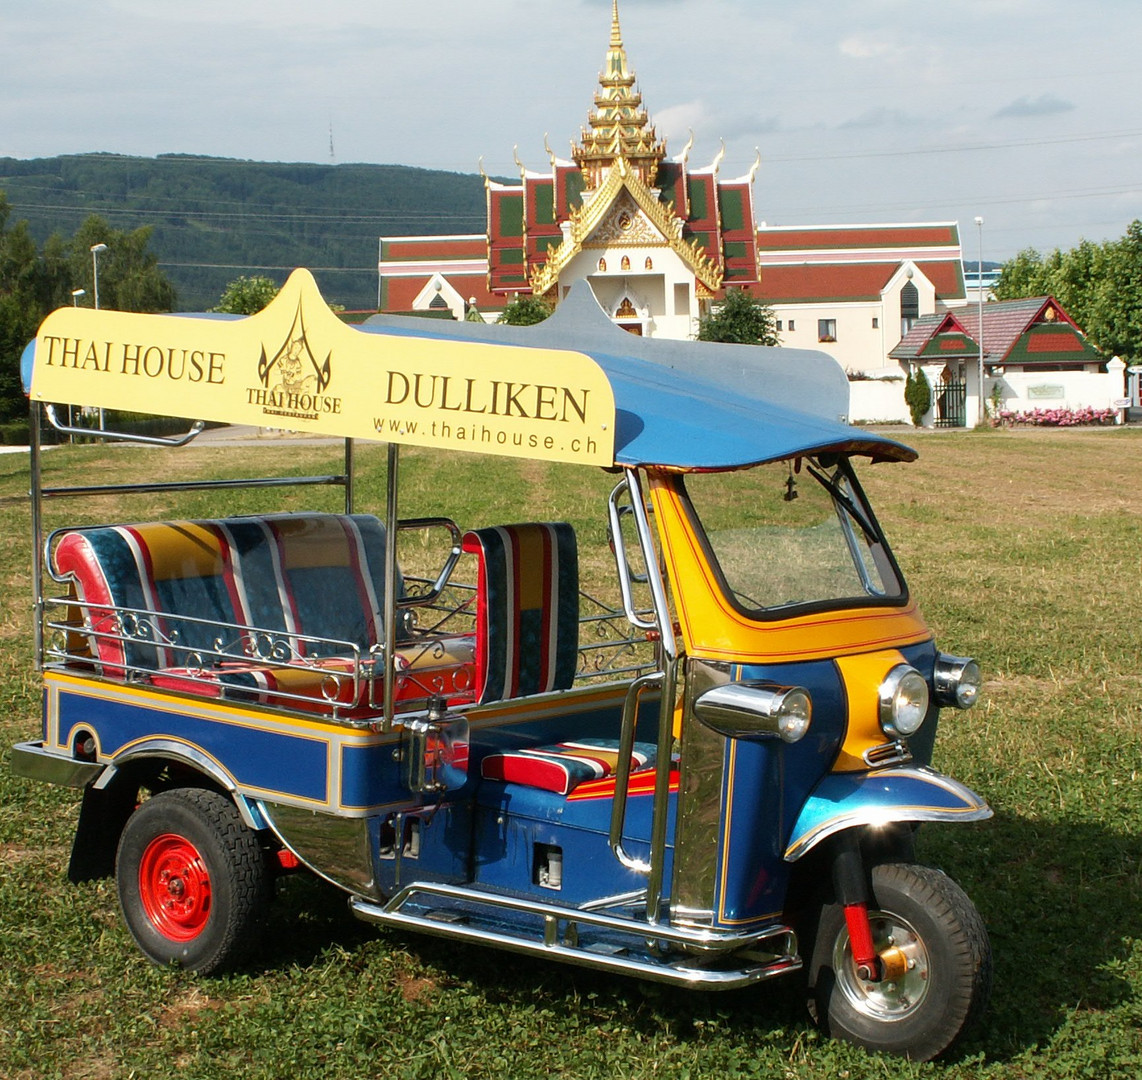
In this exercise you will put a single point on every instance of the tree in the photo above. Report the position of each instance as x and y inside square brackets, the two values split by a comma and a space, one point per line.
[30, 287]
[917, 395]
[129, 274]
[1115, 317]
[525, 311]
[740, 319]
[33, 283]
[246, 295]
[1099, 285]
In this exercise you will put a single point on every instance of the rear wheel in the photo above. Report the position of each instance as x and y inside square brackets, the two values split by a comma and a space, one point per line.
[193, 880]
[937, 962]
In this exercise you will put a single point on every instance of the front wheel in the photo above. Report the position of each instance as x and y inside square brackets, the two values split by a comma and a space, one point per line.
[936, 958]
[193, 880]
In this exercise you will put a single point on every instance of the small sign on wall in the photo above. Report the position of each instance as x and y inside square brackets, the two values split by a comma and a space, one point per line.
[1046, 392]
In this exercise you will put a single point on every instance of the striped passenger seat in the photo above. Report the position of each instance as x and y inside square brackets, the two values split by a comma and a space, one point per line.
[173, 599]
[527, 609]
[154, 593]
[562, 767]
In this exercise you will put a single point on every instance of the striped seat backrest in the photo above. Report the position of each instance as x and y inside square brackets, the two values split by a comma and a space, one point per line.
[155, 569]
[527, 609]
[196, 585]
[319, 576]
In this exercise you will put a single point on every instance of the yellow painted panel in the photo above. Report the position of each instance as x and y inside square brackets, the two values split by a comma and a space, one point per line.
[296, 365]
[712, 629]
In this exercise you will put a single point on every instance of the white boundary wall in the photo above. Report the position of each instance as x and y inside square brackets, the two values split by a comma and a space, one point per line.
[882, 400]
[878, 401]
[1025, 391]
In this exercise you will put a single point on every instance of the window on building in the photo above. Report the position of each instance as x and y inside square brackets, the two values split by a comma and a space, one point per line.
[875, 323]
[791, 326]
[780, 327]
[826, 329]
[909, 307]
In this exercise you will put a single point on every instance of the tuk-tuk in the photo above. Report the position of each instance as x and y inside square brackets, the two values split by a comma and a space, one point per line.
[712, 780]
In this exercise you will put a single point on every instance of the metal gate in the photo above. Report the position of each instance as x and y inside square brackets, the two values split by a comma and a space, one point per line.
[951, 404]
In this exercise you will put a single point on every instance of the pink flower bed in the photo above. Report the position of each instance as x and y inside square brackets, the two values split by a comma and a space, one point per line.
[1056, 417]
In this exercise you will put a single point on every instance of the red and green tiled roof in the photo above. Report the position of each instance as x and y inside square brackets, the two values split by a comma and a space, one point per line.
[1027, 332]
[398, 249]
[840, 282]
[739, 252]
[865, 237]
[398, 293]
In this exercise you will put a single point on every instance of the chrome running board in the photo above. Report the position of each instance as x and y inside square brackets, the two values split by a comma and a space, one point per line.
[701, 959]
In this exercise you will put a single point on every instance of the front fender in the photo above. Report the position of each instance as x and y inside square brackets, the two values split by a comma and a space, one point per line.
[845, 800]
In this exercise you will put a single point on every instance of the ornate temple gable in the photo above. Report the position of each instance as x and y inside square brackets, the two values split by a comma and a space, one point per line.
[626, 226]
[621, 184]
[619, 126]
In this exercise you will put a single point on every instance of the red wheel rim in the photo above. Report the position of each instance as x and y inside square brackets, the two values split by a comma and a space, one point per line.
[174, 887]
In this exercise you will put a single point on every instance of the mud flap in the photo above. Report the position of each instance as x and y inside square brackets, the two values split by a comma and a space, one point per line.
[102, 815]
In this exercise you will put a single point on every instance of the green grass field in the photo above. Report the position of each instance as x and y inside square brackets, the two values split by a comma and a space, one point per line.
[1023, 549]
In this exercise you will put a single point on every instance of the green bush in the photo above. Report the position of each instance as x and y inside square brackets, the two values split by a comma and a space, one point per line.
[917, 395]
[15, 433]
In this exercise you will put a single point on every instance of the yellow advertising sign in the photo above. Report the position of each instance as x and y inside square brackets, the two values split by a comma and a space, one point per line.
[295, 365]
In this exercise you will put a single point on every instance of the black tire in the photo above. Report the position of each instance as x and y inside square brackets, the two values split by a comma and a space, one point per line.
[193, 881]
[944, 943]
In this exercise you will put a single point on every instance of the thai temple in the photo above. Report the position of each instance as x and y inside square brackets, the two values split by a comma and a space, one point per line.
[660, 238]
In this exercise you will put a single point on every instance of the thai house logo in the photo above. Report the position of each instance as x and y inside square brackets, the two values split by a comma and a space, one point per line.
[294, 379]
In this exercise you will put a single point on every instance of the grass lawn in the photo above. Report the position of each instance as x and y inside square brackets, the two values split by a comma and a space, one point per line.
[1023, 549]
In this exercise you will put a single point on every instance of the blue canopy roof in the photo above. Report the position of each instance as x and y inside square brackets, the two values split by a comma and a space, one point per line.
[685, 404]
[679, 404]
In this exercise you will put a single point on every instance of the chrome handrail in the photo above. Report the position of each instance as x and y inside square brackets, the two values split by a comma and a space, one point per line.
[124, 436]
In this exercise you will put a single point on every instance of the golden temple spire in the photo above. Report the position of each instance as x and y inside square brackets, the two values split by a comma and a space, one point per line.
[619, 127]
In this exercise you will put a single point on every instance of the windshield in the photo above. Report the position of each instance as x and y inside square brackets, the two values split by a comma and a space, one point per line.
[789, 534]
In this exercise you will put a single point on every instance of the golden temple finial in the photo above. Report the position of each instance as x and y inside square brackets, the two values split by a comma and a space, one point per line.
[480, 166]
[619, 125]
[518, 163]
[756, 164]
[685, 155]
[719, 158]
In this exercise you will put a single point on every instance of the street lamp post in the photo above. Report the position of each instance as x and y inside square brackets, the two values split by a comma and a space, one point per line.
[96, 249]
[979, 283]
[75, 295]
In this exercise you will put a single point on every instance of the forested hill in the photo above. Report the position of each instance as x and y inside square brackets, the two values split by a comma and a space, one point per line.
[217, 218]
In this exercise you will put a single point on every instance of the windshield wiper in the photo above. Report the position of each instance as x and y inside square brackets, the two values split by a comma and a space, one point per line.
[845, 500]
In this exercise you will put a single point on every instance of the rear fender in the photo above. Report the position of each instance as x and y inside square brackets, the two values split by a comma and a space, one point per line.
[111, 799]
[884, 797]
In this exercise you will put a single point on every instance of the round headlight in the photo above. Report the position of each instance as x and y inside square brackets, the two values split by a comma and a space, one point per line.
[957, 680]
[793, 713]
[903, 701]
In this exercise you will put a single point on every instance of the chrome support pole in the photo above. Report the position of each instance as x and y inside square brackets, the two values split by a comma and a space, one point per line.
[667, 680]
[390, 613]
[35, 462]
[349, 492]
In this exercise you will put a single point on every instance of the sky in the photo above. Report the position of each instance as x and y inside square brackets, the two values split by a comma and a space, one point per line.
[1022, 112]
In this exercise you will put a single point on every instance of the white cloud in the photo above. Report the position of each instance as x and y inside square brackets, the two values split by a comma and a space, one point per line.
[866, 46]
[1043, 105]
